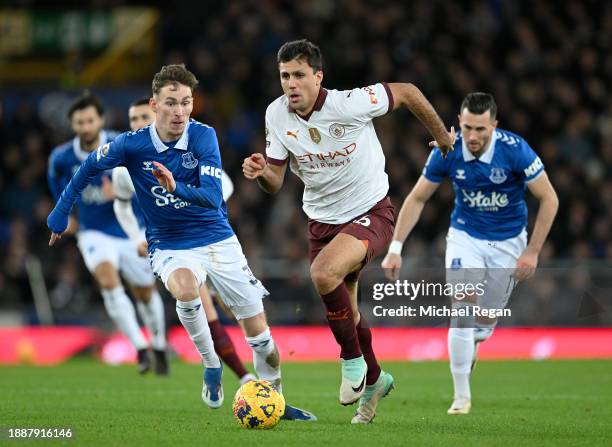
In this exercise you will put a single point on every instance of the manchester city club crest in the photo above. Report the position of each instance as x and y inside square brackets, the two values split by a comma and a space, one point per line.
[497, 176]
[314, 135]
[189, 161]
[337, 130]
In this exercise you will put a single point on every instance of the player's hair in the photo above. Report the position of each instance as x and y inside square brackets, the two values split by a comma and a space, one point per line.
[173, 75]
[478, 103]
[86, 99]
[140, 102]
[301, 49]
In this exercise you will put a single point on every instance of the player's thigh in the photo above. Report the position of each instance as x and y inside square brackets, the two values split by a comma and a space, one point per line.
[96, 248]
[181, 271]
[229, 272]
[343, 255]
[501, 262]
[464, 262]
[135, 269]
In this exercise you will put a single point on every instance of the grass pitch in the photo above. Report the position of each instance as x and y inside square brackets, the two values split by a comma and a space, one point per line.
[514, 403]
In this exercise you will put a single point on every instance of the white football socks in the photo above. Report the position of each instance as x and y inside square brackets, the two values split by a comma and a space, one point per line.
[266, 360]
[121, 310]
[153, 316]
[191, 314]
[461, 352]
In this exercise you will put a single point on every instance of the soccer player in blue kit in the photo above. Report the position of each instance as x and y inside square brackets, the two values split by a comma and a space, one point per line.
[487, 240]
[175, 166]
[101, 241]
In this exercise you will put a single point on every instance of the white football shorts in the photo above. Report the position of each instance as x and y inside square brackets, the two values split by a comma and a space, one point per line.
[226, 266]
[490, 263]
[97, 247]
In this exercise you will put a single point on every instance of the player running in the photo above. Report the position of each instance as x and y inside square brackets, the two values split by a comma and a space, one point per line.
[140, 115]
[328, 139]
[101, 241]
[487, 239]
[175, 167]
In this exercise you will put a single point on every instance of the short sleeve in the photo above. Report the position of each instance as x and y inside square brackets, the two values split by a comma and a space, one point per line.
[122, 183]
[366, 103]
[528, 164]
[435, 167]
[276, 152]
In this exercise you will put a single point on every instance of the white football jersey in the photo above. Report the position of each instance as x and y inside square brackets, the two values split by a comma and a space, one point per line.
[335, 150]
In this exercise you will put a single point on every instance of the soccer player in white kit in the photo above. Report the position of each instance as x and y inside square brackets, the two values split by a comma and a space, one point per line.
[140, 115]
[487, 240]
[328, 139]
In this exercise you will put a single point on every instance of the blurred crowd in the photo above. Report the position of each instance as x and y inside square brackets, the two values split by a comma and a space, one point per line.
[547, 64]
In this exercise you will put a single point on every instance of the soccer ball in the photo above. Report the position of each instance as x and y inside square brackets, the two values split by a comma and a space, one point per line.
[258, 404]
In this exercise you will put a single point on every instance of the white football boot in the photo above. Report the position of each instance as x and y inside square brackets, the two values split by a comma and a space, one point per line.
[460, 405]
[373, 393]
[353, 380]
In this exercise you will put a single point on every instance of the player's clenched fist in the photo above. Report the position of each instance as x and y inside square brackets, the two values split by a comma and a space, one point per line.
[254, 166]
[392, 265]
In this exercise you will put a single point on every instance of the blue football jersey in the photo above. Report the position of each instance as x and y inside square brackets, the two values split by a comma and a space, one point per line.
[489, 190]
[94, 210]
[194, 215]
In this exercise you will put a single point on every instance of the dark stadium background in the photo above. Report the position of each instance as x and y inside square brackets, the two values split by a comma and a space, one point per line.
[547, 63]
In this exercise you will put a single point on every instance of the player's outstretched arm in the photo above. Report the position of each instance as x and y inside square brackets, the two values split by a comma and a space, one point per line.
[408, 217]
[269, 177]
[99, 160]
[408, 95]
[543, 190]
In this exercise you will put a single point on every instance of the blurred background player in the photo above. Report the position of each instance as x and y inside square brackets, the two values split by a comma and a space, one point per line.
[189, 237]
[487, 240]
[101, 241]
[329, 139]
[140, 115]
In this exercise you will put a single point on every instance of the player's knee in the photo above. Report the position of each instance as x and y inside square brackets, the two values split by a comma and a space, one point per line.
[324, 279]
[183, 285]
[142, 294]
[107, 276]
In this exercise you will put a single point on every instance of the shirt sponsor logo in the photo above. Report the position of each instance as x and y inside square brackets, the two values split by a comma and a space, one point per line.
[498, 176]
[371, 94]
[189, 161]
[210, 170]
[533, 167]
[491, 202]
[164, 198]
[309, 157]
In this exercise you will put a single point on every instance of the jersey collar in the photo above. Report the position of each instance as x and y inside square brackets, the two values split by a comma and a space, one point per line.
[79, 153]
[160, 146]
[486, 157]
[318, 105]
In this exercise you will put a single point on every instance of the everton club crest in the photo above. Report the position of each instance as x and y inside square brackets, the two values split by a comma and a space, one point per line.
[314, 135]
[189, 161]
[497, 176]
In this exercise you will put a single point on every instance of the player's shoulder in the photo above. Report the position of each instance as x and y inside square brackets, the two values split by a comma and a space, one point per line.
[199, 131]
[62, 153]
[111, 134]
[509, 140]
[279, 106]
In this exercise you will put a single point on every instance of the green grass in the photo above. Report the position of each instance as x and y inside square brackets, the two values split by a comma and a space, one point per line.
[514, 403]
